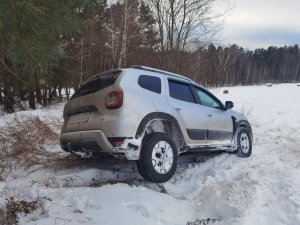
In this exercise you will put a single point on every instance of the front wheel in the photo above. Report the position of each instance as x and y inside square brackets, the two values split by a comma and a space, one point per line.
[244, 143]
[158, 159]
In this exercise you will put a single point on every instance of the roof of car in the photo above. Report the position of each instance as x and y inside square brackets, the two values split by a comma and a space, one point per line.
[140, 67]
[145, 68]
[98, 75]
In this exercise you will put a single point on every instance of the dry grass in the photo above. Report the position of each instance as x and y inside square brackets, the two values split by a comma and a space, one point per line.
[22, 144]
[207, 221]
[23, 148]
[9, 213]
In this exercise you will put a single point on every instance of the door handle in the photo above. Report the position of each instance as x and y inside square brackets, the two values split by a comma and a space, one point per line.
[177, 108]
[209, 115]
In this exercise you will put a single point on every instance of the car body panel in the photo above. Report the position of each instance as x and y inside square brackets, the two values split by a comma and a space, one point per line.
[199, 125]
[190, 116]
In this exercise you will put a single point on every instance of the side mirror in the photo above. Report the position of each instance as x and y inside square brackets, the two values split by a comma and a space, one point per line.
[229, 104]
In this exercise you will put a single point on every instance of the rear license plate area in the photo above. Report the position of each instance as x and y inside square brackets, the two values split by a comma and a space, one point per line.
[82, 117]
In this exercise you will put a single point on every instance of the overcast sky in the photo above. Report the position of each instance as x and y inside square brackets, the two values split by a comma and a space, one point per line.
[261, 23]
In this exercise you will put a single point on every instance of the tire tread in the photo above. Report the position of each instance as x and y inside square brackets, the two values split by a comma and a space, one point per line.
[144, 164]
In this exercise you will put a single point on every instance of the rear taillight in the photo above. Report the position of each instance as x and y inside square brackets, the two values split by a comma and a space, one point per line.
[114, 99]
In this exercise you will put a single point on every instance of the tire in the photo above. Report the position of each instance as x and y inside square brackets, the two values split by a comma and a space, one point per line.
[244, 143]
[158, 158]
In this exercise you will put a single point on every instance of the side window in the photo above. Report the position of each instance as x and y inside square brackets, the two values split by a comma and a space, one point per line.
[150, 83]
[207, 100]
[181, 91]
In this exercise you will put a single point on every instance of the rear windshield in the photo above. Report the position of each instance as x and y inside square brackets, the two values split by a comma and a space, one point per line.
[96, 83]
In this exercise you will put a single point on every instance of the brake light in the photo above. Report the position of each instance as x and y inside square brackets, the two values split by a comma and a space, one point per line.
[114, 99]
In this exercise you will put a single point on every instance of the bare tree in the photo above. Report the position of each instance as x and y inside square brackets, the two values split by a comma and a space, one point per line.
[127, 13]
[181, 23]
[224, 62]
[122, 26]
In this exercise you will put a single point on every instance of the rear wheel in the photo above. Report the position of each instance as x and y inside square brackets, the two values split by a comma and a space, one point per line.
[158, 159]
[244, 143]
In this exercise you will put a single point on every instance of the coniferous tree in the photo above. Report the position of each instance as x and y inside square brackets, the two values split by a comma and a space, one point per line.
[31, 33]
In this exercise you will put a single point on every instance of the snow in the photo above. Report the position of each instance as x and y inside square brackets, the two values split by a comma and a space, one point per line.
[114, 204]
[262, 189]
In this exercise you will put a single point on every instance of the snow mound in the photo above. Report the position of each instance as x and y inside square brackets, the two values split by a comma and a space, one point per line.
[221, 190]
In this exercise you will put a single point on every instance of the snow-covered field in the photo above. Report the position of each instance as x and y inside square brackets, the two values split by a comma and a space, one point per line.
[263, 189]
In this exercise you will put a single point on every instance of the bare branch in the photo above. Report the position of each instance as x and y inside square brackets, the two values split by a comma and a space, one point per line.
[11, 72]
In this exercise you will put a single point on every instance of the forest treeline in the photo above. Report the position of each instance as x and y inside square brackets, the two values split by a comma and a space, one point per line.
[48, 48]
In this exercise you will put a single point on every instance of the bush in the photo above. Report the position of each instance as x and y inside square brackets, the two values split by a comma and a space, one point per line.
[22, 143]
[9, 213]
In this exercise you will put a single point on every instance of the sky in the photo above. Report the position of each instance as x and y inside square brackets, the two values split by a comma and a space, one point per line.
[262, 23]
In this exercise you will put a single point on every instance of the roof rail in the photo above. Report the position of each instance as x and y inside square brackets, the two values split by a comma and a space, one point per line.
[140, 67]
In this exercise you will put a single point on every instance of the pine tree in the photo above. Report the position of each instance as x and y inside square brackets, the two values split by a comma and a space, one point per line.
[31, 33]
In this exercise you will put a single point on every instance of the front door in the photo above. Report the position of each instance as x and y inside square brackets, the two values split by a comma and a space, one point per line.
[188, 112]
[219, 123]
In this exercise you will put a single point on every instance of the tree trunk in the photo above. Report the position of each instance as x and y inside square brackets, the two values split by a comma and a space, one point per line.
[21, 91]
[45, 99]
[8, 101]
[81, 64]
[60, 94]
[68, 93]
[52, 93]
[297, 71]
[122, 58]
[38, 90]
[1, 97]
[31, 100]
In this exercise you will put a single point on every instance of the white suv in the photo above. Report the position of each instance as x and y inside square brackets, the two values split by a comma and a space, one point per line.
[151, 116]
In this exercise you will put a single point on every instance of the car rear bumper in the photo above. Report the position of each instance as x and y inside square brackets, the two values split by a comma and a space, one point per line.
[92, 140]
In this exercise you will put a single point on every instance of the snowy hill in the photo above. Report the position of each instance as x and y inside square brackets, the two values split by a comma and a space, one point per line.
[46, 186]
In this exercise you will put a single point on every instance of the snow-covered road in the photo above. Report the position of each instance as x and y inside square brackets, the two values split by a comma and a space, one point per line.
[263, 189]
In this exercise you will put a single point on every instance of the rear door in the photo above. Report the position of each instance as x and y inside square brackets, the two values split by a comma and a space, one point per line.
[187, 111]
[219, 123]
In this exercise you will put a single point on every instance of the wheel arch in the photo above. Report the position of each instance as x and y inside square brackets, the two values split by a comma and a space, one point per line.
[170, 125]
[243, 124]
